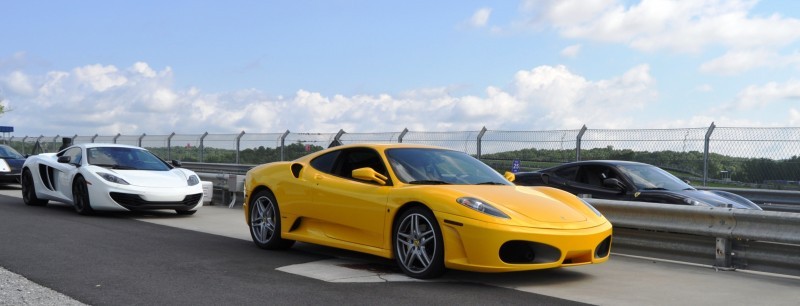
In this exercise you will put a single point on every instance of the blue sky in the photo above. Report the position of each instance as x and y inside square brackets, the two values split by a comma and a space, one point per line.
[157, 67]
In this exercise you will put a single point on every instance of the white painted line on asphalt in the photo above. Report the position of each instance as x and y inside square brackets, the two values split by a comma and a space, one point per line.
[336, 271]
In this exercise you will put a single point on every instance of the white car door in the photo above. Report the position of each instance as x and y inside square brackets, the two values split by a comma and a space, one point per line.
[65, 173]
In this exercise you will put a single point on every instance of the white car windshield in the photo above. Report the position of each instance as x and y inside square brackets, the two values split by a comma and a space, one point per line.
[125, 159]
[437, 166]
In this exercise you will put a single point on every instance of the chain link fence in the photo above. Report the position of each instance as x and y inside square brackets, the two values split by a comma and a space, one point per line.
[712, 156]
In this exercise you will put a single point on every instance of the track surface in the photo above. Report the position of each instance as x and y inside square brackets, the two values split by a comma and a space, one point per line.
[112, 259]
[205, 259]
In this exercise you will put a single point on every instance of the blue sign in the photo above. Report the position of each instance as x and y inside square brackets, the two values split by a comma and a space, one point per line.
[6, 129]
[515, 166]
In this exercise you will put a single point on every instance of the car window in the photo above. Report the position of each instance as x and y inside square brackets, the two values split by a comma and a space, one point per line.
[595, 174]
[567, 173]
[9, 152]
[325, 162]
[441, 166]
[74, 155]
[125, 159]
[356, 158]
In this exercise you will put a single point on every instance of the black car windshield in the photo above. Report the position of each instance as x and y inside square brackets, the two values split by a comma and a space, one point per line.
[122, 158]
[10, 153]
[440, 166]
[647, 177]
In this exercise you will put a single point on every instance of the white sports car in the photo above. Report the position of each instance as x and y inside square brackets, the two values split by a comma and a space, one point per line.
[110, 177]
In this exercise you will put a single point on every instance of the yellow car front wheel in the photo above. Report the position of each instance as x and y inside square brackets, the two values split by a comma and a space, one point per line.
[418, 244]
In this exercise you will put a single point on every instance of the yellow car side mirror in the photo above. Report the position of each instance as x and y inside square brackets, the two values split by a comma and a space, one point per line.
[368, 174]
[509, 176]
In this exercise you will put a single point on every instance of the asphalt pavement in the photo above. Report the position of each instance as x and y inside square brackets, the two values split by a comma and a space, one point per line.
[208, 259]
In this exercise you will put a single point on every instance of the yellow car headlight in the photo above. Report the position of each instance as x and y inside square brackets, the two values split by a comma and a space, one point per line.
[482, 206]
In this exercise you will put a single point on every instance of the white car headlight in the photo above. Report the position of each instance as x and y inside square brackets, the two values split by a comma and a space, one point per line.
[482, 207]
[112, 178]
[4, 166]
[193, 180]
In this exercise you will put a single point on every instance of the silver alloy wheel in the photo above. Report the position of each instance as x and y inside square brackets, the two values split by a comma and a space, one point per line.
[416, 243]
[262, 220]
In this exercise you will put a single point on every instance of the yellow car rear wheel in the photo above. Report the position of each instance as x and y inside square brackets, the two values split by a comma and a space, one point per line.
[265, 222]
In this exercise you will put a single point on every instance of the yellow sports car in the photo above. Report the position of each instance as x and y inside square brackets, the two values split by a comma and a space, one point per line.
[429, 208]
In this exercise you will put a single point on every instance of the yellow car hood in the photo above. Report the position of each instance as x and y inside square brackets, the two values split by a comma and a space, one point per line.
[546, 208]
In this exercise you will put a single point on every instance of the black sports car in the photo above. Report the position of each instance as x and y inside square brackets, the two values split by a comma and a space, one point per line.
[10, 164]
[628, 181]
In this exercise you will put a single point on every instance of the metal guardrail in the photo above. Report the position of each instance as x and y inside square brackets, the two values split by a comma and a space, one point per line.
[726, 238]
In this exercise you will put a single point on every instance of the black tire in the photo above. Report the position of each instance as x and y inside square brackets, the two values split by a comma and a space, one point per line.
[418, 244]
[186, 212]
[80, 196]
[265, 222]
[29, 190]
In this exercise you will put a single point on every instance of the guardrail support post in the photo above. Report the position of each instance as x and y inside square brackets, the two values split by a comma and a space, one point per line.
[402, 134]
[169, 146]
[724, 252]
[238, 148]
[202, 147]
[140, 139]
[283, 143]
[578, 143]
[705, 152]
[480, 136]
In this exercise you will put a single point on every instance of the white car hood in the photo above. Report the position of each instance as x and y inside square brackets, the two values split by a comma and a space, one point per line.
[157, 179]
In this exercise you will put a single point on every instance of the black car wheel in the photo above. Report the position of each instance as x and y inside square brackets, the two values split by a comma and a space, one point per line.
[80, 196]
[418, 244]
[265, 222]
[29, 190]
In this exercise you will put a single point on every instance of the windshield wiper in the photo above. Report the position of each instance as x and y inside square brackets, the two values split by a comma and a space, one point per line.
[429, 182]
[115, 166]
[490, 183]
[655, 188]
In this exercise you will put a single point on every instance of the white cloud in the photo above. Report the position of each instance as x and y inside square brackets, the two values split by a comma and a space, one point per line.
[760, 96]
[738, 61]
[480, 18]
[100, 78]
[18, 83]
[683, 26]
[571, 51]
[794, 117]
[105, 100]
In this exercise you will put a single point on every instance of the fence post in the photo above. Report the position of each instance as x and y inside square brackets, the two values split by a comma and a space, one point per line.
[705, 152]
[402, 134]
[238, 148]
[115, 137]
[140, 139]
[202, 147]
[169, 146]
[336, 139]
[480, 135]
[23, 144]
[93, 137]
[578, 143]
[54, 140]
[283, 143]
